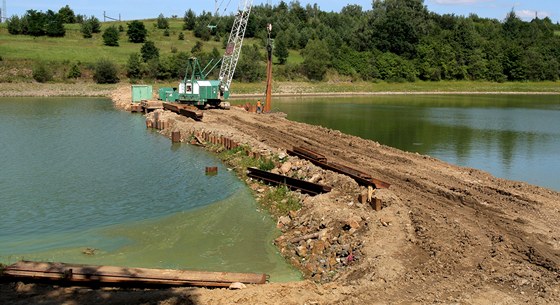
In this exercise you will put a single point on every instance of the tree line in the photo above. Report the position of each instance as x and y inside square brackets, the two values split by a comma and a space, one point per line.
[393, 40]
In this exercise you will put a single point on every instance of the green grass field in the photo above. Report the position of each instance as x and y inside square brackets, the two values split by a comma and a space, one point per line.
[73, 47]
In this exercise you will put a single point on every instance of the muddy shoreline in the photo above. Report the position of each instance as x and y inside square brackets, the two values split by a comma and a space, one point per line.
[446, 234]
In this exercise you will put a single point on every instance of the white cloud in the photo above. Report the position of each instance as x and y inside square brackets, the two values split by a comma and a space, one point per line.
[529, 14]
[453, 2]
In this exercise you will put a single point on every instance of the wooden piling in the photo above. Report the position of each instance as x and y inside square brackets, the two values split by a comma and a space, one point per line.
[176, 136]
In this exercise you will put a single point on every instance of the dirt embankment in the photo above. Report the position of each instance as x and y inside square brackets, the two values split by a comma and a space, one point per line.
[446, 234]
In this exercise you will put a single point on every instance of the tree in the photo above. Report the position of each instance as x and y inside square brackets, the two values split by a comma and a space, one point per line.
[95, 24]
[35, 23]
[86, 30]
[189, 21]
[54, 27]
[105, 72]
[162, 22]
[316, 59]
[136, 32]
[250, 67]
[197, 48]
[134, 66]
[281, 48]
[111, 36]
[149, 51]
[67, 15]
[398, 25]
[14, 25]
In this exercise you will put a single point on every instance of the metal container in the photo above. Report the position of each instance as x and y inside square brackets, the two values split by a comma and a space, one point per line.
[141, 92]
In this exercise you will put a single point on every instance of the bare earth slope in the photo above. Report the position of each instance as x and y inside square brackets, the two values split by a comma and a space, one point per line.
[446, 234]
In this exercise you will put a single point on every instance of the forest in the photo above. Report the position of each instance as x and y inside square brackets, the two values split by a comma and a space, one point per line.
[393, 40]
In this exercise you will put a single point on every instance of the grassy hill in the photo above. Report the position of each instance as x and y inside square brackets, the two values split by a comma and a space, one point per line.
[73, 47]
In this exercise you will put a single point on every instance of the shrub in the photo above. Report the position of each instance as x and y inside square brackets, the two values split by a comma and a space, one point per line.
[74, 71]
[149, 51]
[86, 30]
[134, 66]
[162, 22]
[137, 32]
[181, 36]
[41, 73]
[105, 72]
[111, 37]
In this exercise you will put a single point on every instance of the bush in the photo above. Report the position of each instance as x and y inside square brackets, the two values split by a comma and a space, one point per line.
[136, 32]
[111, 37]
[162, 22]
[86, 30]
[181, 36]
[134, 66]
[105, 72]
[149, 51]
[41, 73]
[74, 72]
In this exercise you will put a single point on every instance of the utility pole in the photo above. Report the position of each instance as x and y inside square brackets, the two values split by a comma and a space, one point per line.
[268, 101]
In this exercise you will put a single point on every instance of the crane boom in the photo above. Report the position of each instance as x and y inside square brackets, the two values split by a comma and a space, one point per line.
[235, 41]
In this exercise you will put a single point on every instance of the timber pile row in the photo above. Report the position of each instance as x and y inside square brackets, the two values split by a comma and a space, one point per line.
[120, 276]
[157, 122]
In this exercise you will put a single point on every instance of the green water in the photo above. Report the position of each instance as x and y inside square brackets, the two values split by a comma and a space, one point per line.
[76, 174]
[511, 136]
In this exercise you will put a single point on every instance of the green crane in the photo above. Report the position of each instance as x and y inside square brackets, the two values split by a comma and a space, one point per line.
[195, 89]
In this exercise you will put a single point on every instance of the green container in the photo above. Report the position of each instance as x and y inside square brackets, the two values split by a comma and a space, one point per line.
[141, 92]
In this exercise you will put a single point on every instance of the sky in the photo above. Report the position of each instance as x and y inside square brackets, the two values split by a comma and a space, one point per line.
[143, 9]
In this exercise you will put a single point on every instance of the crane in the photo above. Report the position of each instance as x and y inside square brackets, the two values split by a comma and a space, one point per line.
[195, 89]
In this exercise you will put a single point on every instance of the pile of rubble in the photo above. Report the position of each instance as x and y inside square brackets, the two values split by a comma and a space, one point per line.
[321, 245]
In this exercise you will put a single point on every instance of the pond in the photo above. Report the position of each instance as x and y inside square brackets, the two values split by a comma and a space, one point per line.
[511, 136]
[78, 174]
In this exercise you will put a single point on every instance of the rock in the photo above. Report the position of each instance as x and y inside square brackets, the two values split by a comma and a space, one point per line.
[275, 171]
[301, 251]
[316, 178]
[286, 167]
[282, 156]
[284, 220]
[89, 251]
[237, 285]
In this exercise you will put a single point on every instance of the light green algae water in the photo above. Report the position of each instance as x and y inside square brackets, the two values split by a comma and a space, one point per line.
[78, 174]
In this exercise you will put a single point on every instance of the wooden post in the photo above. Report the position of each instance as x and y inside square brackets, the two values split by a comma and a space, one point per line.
[176, 136]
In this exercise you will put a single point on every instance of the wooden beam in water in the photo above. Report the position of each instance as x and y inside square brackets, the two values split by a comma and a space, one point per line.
[112, 275]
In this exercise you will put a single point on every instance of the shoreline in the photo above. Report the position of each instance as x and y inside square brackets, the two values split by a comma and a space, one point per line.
[96, 90]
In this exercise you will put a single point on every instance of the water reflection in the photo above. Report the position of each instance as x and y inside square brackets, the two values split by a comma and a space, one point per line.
[512, 136]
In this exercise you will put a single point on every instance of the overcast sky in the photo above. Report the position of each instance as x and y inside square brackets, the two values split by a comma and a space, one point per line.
[141, 9]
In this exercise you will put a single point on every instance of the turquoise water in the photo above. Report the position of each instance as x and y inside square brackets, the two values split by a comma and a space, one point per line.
[78, 174]
[511, 136]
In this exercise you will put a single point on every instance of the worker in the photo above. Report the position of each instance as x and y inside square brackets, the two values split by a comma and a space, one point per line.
[259, 106]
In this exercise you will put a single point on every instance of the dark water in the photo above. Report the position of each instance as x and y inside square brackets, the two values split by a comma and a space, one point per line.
[75, 173]
[511, 136]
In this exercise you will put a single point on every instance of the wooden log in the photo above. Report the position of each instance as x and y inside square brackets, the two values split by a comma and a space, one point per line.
[122, 275]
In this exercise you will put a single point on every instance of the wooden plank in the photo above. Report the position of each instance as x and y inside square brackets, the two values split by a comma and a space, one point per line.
[123, 275]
